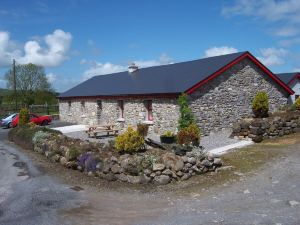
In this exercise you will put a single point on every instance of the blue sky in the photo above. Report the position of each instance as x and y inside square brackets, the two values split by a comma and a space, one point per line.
[77, 39]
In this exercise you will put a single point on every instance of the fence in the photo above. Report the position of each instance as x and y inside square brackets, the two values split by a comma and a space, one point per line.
[7, 109]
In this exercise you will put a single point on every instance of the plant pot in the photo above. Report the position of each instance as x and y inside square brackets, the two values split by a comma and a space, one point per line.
[167, 140]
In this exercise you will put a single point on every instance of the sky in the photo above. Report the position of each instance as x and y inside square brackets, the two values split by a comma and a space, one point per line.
[77, 39]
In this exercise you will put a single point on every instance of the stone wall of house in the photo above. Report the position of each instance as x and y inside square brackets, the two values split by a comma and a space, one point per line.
[165, 113]
[227, 98]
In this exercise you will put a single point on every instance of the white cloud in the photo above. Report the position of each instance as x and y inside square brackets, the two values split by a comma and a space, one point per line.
[51, 77]
[58, 44]
[296, 70]
[287, 31]
[223, 50]
[272, 56]
[99, 68]
[285, 13]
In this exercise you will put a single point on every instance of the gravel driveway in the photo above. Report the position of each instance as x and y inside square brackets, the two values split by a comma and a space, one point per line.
[269, 195]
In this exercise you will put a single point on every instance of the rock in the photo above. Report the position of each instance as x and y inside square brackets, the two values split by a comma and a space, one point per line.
[121, 177]
[63, 161]
[152, 175]
[157, 173]
[113, 159]
[217, 162]
[147, 172]
[110, 177]
[80, 168]
[158, 167]
[72, 165]
[129, 165]
[162, 179]
[167, 172]
[179, 173]
[172, 161]
[257, 138]
[188, 165]
[99, 166]
[206, 163]
[134, 179]
[106, 167]
[186, 176]
[247, 192]
[195, 168]
[293, 203]
[55, 158]
[145, 179]
[184, 159]
[90, 174]
[116, 169]
[192, 160]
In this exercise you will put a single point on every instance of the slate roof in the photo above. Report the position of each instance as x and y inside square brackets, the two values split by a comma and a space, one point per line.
[286, 77]
[166, 79]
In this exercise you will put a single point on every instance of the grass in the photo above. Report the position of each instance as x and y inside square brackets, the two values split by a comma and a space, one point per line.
[244, 162]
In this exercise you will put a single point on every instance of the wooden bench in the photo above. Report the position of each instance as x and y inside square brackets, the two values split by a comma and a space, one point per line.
[108, 129]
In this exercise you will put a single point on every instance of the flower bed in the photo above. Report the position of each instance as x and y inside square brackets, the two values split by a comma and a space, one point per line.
[103, 161]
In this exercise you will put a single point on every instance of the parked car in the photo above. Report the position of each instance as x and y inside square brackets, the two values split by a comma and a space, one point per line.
[7, 121]
[39, 120]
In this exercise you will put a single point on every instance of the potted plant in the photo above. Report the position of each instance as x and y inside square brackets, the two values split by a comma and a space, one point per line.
[168, 138]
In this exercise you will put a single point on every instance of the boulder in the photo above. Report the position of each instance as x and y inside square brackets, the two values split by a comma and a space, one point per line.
[134, 179]
[147, 172]
[172, 161]
[162, 179]
[167, 172]
[129, 164]
[158, 167]
[116, 169]
[217, 162]
[192, 160]
[121, 177]
[206, 163]
[186, 176]
[63, 161]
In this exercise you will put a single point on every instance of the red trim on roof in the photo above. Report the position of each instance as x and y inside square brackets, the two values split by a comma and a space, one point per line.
[294, 78]
[254, 60]
[121, 97]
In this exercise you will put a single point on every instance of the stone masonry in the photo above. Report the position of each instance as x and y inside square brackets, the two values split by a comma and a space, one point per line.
[165, 113]
[227, 98]
[217, 104]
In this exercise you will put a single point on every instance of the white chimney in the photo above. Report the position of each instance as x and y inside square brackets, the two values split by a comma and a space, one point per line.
[132, 68]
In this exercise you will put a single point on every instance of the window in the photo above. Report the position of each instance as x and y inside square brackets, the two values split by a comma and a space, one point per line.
[69, 105]
[121, 108]
[82, 106]
[149, 114]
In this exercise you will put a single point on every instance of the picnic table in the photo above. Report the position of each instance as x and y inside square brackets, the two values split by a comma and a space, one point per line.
[107, 129]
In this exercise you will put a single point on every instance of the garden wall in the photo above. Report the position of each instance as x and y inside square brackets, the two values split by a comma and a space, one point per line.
[259, 129]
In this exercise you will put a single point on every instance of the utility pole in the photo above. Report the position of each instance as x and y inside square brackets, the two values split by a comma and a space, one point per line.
[15, 84]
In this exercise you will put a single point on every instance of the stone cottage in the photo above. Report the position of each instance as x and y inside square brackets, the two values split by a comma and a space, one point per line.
[293, 81]
[220, 90]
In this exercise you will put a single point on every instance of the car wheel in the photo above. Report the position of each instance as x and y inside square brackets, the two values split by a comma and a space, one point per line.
[45, 123]
[9, 125]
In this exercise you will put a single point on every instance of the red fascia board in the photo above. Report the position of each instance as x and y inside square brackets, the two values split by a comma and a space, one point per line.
[146, 96]
[229, 65]
[297, 76]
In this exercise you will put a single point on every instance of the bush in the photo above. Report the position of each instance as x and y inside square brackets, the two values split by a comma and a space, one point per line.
[296, 105]
[24, 117]
[186, 115]
[23, 135]
[168, 134]
[39, 136]
[260, 105]
[189, 135]
[129, 141]
[142, 129]
[74, 153]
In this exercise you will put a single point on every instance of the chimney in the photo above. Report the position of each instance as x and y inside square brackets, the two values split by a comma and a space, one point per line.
[132, 68]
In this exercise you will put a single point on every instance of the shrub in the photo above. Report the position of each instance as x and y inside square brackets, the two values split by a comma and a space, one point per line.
[260, 104]
[74, 153]
[142, 129]
[39, 136]
[186, 116]
[296, 105]
[129, 141]
[168, 134]
[23, 117]
[189, 135]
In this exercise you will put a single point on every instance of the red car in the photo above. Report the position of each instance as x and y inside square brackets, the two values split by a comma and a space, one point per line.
[39, 120]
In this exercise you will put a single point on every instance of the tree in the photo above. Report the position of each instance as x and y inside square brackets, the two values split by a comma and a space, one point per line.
[30, 79]
[186, 115]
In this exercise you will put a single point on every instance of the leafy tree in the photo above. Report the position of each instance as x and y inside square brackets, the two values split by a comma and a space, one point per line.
[23, 116]
[30, 79]
[186, 115]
